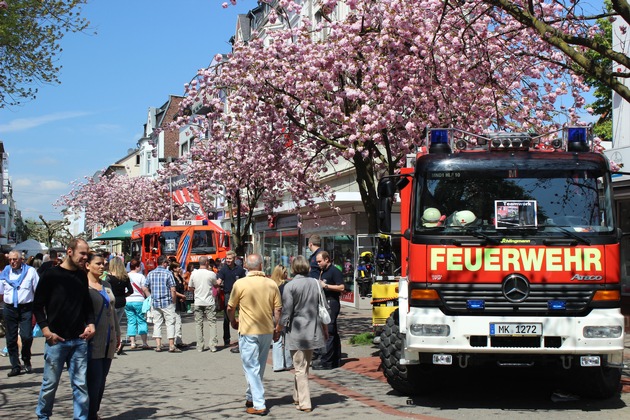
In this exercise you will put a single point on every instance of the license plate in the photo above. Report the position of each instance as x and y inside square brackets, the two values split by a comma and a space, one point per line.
[514, 328]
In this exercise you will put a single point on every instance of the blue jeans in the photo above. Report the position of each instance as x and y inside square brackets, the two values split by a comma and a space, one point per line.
[97, 370]
[74, 354]
[254, 351]
[15, 319]
[281, 355]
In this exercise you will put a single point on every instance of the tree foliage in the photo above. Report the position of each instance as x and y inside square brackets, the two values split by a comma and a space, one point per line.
[30, 35]
[364, 89]
[303, 102]
[115, 199]
[48, 232]
[583, 36]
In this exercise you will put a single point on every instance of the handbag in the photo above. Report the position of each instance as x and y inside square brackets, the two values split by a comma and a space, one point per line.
[322, 308]
[219, 298]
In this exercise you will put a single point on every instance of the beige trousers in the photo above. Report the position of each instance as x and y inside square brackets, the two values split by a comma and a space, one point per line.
[301, 392]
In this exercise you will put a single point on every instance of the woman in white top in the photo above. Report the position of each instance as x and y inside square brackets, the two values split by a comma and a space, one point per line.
[136, 319]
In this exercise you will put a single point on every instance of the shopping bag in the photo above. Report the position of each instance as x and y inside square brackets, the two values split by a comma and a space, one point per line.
[37, 331]
[146, 305]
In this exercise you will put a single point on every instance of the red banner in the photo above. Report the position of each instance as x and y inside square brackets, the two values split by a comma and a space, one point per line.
[191, 200]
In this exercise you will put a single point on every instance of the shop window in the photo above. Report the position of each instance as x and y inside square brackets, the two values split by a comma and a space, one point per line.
[279, 247]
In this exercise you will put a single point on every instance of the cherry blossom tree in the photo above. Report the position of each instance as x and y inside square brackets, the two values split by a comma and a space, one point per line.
[572, 28]
[364, 89]
[249, 173]
[111, 200]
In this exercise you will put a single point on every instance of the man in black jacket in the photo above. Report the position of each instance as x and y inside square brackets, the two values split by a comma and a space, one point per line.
[63, 310]
[331, 280]
[229, 273]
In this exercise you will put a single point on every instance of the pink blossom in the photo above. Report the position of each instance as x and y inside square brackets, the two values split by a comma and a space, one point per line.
[348, 99]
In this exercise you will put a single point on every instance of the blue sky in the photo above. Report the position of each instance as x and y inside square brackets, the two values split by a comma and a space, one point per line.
[143, 51]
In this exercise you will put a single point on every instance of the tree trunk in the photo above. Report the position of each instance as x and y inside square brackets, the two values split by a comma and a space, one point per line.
[367, 188]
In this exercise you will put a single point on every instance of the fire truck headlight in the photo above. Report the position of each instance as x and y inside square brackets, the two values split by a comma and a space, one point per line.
[442, 359]
[590, 361]
[433, 330]
[603, 331]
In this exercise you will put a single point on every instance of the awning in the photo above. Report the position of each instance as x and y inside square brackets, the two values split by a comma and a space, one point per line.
[119, 233]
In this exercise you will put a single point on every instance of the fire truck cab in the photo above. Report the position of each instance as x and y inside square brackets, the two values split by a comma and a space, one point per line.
[186, 240]
[510, 257]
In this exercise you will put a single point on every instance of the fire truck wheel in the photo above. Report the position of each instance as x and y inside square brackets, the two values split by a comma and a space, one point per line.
[598, 382]
[405, 379]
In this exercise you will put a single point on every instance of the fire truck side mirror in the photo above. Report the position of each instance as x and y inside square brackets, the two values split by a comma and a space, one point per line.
[385, 215]
[386, 190]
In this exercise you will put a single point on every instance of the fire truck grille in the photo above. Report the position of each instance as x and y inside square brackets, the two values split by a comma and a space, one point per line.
[455, 299]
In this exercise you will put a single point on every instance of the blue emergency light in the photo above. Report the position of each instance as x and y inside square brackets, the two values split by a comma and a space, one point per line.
[556, 305]
[439, 141]
[476, 304]
[577, 139]
[439, 136]
[166, 223]
[204, 222]
[576, 134]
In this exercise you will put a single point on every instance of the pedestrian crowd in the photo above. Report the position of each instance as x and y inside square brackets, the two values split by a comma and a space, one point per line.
[77, 304]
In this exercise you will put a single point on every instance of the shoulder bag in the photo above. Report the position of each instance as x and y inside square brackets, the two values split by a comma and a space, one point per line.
[322, 310]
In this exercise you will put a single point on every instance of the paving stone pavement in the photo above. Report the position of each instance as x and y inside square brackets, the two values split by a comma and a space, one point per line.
[144, 384]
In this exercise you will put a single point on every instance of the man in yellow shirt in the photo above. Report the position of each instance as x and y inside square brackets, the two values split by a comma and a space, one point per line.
[257, 298]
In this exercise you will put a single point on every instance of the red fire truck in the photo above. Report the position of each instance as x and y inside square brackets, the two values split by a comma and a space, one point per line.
[186, 240]
[511, 259]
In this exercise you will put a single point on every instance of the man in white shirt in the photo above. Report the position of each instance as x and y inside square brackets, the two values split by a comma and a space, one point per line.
[200, 283]
[18, 282]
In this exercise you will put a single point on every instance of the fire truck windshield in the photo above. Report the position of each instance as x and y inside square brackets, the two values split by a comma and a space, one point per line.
[502, 200]
[202, 243]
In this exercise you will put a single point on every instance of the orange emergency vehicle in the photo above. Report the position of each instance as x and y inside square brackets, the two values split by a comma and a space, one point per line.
[186, 240]
[510, 256]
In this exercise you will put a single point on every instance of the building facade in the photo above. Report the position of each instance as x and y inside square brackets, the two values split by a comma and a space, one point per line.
[620, 154]
[8, 211]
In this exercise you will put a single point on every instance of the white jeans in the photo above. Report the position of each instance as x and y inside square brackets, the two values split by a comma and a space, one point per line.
[161, 316]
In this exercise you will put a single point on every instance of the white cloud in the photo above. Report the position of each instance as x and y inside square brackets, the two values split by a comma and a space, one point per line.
[46, 161]
[53, 185]
[22, 182]
[21, 124]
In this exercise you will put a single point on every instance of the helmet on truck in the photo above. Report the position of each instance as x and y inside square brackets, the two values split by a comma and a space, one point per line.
[431, 217]
[463, 218]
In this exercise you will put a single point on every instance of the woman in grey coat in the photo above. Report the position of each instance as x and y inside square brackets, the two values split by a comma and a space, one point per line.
[304, 331]
[102, 347]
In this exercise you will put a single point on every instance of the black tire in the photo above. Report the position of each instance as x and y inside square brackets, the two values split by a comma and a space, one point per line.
[597, 382]
[405, 379]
